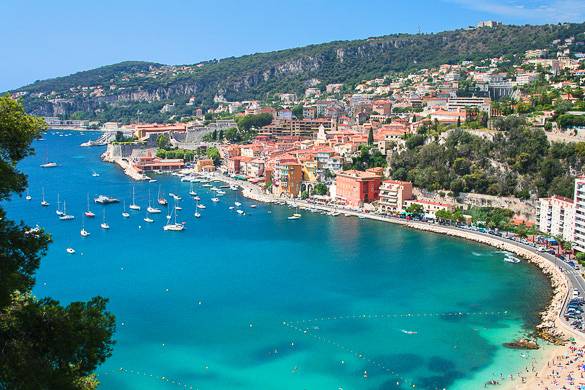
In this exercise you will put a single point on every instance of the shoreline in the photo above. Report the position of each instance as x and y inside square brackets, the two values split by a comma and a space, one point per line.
[551, 322]
[551, 325]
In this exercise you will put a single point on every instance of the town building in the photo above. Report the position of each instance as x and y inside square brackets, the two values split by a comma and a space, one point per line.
[354, 188]
[430, 207]
[556, 216]
[393, 193]
[579, 201]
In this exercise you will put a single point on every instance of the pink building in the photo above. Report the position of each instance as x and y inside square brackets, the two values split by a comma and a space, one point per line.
[355, 188]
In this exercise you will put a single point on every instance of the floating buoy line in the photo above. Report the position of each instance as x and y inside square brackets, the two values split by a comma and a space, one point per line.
[403, 315]
[145, 374]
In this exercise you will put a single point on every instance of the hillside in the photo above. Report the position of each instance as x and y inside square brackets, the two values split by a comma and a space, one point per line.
[119, 91]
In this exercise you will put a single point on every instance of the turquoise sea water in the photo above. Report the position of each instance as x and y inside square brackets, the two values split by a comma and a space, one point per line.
[261, 302]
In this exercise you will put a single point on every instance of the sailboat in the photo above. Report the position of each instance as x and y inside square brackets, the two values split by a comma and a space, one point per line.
[88, 213]
[174, 227]
[27, 197]
[48, 164]
[44, 203]
[148, 219]
[150, 209]
[65, 216]
[161, 200]
[104, 225]
[134, 206]
[191, 191]
[58, 211]
[236, 203]
[296, 214]
[197, 213]
[125, 214]
[83, 232]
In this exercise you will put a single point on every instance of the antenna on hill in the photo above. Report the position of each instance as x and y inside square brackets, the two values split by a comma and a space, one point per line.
[419, 32]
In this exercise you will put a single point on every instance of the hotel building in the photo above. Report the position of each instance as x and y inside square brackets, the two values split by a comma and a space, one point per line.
[556, 216]
[393, 193]
[579, 199]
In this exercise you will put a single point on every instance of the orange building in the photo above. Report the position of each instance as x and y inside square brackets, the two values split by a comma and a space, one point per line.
[355, 188]
[142, 131]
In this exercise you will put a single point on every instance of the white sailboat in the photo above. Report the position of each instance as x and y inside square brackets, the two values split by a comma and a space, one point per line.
[191, 191]
[174, 227]
[83, 232]
[150, 209]
[104, 225]
[197, 213]
[134, 206]
[27, 197]
[65, 216]
[44, 203]
[58, 211]
[48, 164]
[125, 214]
[88, 213]
[148, 219]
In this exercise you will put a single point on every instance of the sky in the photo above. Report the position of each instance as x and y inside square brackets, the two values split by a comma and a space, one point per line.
[50, 38]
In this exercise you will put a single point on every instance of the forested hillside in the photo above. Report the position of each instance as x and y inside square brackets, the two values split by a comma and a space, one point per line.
[117, 91]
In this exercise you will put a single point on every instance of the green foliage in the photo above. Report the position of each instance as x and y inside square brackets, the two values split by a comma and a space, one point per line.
[244, 77]
[43, 344]
[320, 189]
[368, 157]
[519, 161]
[371, 137]
[567, 120]
[248, 122]
[187, 155]
[492, 217]
[163, 141]
[213, 153]
[415, 209]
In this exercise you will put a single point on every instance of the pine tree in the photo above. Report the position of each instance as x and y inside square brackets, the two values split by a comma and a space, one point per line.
[371, 137]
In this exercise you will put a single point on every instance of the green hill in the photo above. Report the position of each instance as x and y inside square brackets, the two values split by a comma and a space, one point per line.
[128, 87]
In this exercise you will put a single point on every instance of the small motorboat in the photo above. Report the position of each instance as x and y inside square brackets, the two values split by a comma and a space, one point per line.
[152, 210]
[200, 206]
[84, 233]
[95, 174]
[197, 214]
[253, 206]
[231, 207]
[241, 212]
[237, 204]
[149, 220]
[71, 251]
[215, 200]
[197, 198]
[27, 197]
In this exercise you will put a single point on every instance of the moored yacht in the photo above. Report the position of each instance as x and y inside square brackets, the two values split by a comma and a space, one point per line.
[134, 206]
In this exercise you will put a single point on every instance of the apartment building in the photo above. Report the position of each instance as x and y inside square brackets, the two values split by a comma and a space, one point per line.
[393, 193]
[556, 216]
[579, 202]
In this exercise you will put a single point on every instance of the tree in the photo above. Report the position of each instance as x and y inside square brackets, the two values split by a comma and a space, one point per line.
[163, 141]
[43, 345]
[415, 209]
[371, 137]
[213, 153]
[320, 189]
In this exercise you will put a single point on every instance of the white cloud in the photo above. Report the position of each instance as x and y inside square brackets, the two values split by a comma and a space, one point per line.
[549, 11]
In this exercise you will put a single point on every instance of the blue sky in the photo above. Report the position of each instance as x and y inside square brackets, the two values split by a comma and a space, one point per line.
[49, 38]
